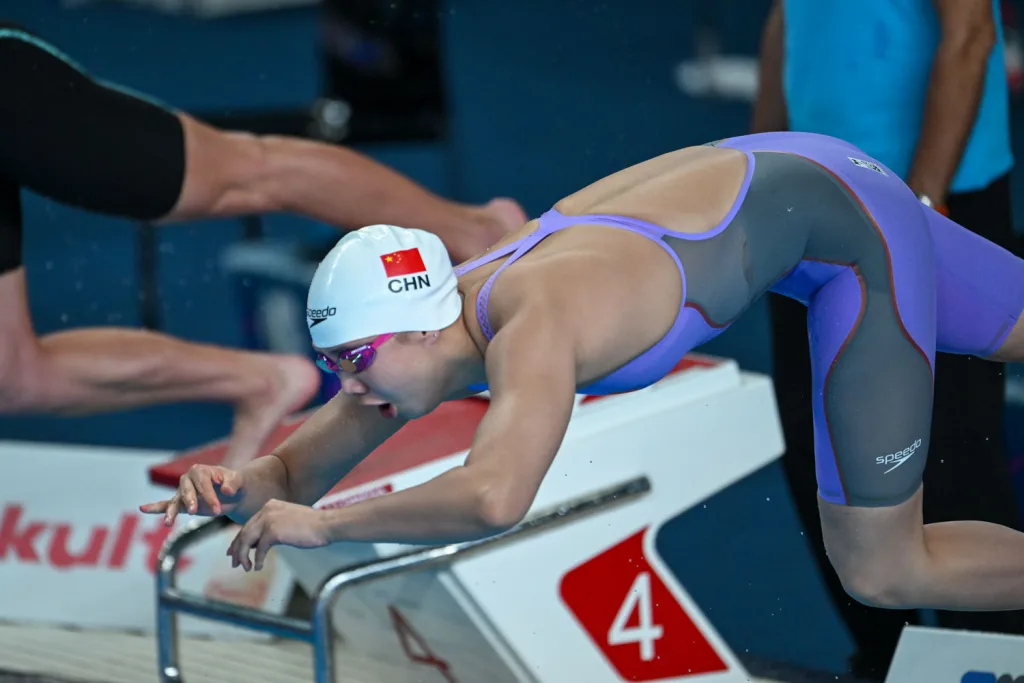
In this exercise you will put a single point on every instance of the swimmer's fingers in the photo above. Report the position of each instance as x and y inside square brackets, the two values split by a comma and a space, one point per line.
[187, 493]
[155, 508]
[231, 482]
[202, 479]
[173, 506]
[169, 508]
[266, 541]
[246, 540]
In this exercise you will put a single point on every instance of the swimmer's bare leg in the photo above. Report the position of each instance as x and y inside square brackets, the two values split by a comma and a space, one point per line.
[233, 173]
[887, 557]
[105, 369]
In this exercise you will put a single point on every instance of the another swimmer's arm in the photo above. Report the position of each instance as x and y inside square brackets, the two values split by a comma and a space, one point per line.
[335, 439]
[531, 374]
[954, 93]
[769, 111]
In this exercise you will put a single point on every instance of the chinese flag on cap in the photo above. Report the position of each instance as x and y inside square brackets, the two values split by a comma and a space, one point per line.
[404, 262]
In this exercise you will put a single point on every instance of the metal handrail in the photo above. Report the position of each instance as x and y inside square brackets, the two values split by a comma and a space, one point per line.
[318, 630]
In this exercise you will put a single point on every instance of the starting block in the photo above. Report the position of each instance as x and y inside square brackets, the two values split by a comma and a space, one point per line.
[933, 655]
[588, 599]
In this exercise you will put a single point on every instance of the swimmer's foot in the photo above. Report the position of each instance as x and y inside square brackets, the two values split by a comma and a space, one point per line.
[489, 223]
[505, 212]
[289, 382]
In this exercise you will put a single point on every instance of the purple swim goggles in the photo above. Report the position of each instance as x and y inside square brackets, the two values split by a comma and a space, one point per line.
[354, 360]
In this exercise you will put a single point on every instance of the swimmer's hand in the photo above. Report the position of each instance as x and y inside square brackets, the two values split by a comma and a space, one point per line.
[278, 523]
[206, 490]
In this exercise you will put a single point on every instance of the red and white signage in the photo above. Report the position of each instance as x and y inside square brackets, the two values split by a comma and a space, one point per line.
[75, 550]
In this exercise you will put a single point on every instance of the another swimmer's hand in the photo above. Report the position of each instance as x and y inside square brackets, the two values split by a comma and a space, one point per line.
[206, 490]
[278, 523]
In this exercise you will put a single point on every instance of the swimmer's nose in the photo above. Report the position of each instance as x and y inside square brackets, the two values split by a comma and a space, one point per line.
[352, 386]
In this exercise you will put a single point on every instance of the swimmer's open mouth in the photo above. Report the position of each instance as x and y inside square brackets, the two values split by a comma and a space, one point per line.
[388, 410]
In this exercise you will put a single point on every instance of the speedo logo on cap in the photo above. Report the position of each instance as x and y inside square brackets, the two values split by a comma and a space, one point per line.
[405, 270]
[315, 316]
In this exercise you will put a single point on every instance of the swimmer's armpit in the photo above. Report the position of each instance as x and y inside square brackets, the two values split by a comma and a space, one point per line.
[531, 373]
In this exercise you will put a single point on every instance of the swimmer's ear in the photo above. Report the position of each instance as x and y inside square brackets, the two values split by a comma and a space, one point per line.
[431, 337]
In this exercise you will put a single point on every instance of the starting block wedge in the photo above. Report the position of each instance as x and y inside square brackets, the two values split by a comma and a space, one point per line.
[591, 599]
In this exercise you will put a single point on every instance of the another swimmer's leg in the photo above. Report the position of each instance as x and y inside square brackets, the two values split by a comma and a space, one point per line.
[887, 557]
[104, 369]
[158, 164]
[233, 173]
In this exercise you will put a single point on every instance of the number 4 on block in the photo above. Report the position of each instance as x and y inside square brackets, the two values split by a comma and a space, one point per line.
[634, 619]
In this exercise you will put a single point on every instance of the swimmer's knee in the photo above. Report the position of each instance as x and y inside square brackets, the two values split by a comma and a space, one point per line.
[877, 578]
[878, 554]
[229, 173]
[876, 587]
[20, 372]
[20, 355]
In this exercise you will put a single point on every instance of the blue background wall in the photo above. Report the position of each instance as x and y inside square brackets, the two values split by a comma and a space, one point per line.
[523, 78]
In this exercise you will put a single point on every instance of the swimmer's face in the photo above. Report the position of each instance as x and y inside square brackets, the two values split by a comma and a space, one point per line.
[402, 380]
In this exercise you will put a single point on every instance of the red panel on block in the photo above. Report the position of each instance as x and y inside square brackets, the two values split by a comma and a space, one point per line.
[447, 430]
[633, 618]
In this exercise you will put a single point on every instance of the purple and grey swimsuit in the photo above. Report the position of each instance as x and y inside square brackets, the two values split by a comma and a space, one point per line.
[886, 281]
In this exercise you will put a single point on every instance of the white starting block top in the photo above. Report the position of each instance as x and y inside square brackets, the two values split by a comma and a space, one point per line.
[932, 655]
[590, 601]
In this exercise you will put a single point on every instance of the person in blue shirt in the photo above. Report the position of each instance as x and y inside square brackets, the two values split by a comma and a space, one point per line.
[920, 85]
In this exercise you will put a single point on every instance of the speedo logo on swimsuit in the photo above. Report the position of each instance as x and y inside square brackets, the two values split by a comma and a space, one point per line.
[869, 165]
[315, 316]
[899, 457]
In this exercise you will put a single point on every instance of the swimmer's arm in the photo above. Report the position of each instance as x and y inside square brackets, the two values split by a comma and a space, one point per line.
[336, 438]
[956, 82]
[531, 372]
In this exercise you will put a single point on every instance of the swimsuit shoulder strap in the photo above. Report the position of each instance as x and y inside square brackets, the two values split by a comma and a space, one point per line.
[549, 224]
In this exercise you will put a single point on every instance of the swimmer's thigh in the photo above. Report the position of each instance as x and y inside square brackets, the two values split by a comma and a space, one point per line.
[980, 292]
[872, 380]
[82, 142]
[10, 227]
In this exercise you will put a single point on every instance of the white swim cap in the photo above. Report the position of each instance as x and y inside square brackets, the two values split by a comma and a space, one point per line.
[381, 279]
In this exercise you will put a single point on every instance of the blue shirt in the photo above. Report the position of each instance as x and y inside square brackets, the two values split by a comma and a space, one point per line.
[858, 70]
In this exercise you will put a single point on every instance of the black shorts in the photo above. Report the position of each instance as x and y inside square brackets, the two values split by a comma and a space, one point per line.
[76, 140]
